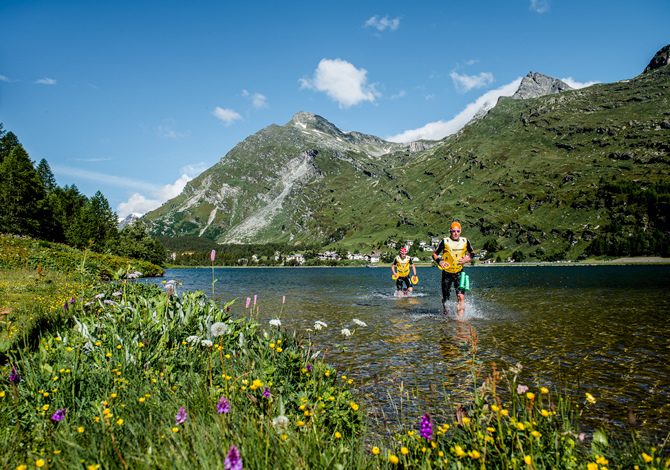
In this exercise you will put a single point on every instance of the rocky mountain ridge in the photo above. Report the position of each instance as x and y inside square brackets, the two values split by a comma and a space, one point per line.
[552, 156]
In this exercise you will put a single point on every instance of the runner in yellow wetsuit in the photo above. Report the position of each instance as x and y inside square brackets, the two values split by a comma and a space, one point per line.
[400, 269]
[452, 253]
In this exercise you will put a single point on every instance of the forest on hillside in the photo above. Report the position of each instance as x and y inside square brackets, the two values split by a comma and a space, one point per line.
[32, 204]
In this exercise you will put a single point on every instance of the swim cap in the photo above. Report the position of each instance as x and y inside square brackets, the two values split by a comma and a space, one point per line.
[403, 250]
[455, 225]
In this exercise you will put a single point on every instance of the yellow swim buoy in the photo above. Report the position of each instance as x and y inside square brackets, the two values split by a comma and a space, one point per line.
[415, 280]
[394, 277]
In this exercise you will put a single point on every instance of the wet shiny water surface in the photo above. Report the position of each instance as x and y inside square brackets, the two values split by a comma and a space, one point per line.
[598, 329]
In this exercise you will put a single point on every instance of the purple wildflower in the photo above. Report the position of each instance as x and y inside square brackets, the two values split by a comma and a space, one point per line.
[426, 430]
[233, 459]
[308, 367]
[59, 415]
[65, 306]
[182, 415]
[72, 300]
[223, 406]
[266, 393]
[14, 376]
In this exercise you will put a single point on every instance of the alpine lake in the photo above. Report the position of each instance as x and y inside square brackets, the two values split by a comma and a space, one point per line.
[600, 329]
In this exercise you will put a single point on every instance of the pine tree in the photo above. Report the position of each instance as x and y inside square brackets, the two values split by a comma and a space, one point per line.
[21, 194]
[7, 142]
[46, 175]
[94, 226]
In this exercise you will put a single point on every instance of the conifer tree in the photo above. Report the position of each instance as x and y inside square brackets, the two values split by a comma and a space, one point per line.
[94, 225]
[21, 194]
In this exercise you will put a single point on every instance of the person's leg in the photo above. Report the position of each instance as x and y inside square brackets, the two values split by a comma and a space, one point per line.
[409, 284]
[445, 291]
[460, 296]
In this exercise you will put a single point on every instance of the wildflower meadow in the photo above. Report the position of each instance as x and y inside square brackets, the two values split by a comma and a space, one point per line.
[132, 375]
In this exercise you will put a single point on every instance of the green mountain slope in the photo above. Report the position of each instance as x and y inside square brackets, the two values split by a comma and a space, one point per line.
[582, 171]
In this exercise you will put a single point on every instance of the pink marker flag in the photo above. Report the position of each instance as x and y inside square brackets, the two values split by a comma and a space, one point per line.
[283, 299]
[212, 255]
[248, 302]
[254, 299]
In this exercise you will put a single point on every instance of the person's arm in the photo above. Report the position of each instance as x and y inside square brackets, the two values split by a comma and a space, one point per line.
[468, 256]
[436, 255]
[393, 267]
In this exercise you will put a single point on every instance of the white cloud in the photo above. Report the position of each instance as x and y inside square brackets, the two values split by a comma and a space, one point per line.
[539, 6]
[45, 81]
[400, 94]
[342, 82]
[465, 83]
[166, 130]
[139, 204]
[575, 84]
[120, 181]
[3, 78]
[441, 129]
[227, 116]
[382, 24]
[258, 100]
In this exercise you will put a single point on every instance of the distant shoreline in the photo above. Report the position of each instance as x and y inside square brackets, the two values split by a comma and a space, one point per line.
[630, 261]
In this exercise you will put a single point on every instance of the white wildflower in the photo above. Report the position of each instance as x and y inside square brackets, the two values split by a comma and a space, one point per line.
[219, 329]
[118, 293]
[345, 332]
[206, 343]
[319, 324]
[359, 322]
[275, 322]
[99, 296]
[192, 339]
[280, 423]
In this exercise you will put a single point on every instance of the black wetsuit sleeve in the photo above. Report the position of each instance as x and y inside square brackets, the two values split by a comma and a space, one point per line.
[440, 248]
[471, 252]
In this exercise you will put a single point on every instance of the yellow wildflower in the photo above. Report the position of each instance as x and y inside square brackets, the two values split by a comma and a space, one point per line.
[141, 399]
[466, 420]
[601, 460]
[528, 460]
[393, 459]
[80, 429]
[544, 390]
[375, 450]
[404, 450]
[544, 412]
[300, 422]
[530, 395]
[646, 457]
[175, 429]
[39, 463]
[119, 422]
[474, 454]
[591, 466]
[354, 406]
[2, 394]
[520, 426]
[279, 349]
[45, 407]
[504, 412]
[495, 408]
[22, 467]
[536, 434]
[337, 435]
[458, 450]
[590, 398]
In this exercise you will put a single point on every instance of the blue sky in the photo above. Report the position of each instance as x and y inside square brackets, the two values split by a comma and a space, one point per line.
[135, 98]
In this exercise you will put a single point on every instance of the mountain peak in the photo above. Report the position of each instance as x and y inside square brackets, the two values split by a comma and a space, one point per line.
[536, 84]
[660, 59]
[304, 120]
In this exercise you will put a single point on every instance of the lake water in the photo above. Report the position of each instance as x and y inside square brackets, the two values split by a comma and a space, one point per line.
[597, 329]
